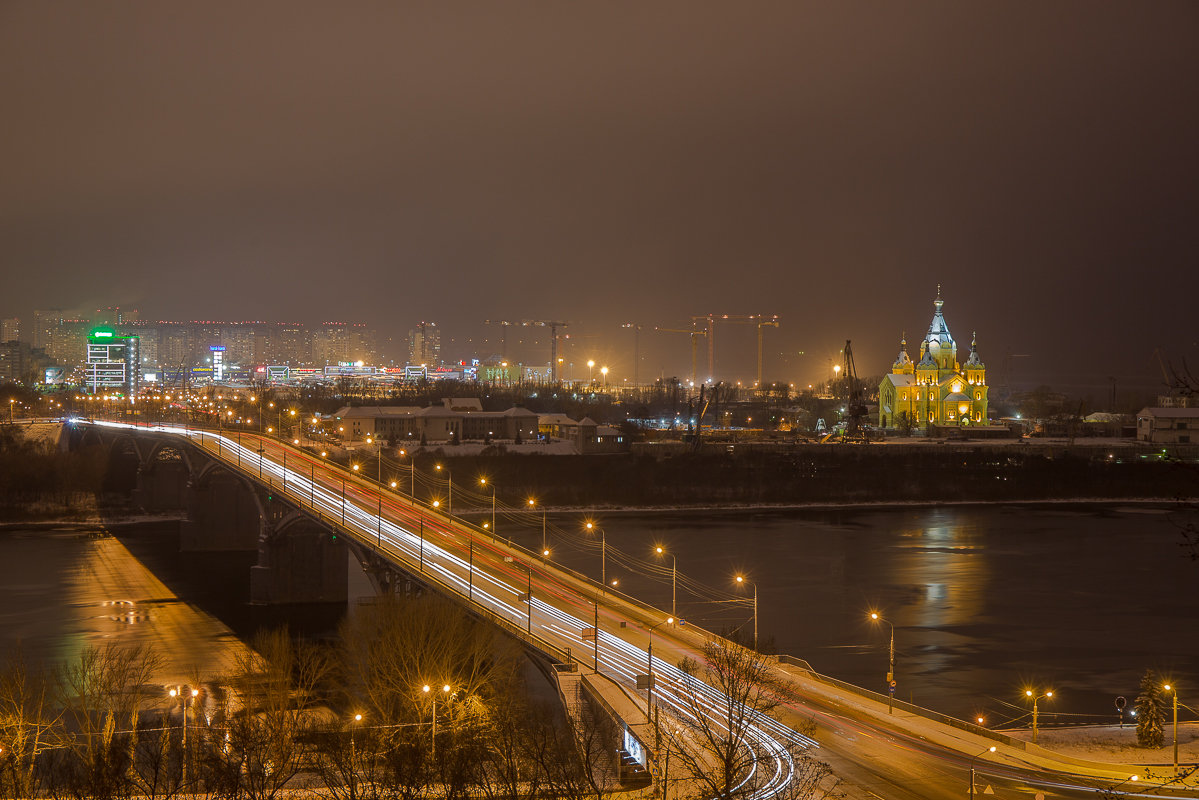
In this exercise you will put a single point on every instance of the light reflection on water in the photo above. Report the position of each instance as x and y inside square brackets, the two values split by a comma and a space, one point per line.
[64, 590]
[985, 599]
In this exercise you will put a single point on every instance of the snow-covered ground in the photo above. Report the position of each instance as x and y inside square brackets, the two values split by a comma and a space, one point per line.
[1115, 745]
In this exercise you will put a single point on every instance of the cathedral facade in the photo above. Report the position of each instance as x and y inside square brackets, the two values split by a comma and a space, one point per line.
[935, 389]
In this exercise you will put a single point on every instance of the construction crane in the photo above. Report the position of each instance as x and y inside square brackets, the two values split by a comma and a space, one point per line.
[710, 320]
[693, 334]
[773, 323]
[855, 406]
[553, 325]
[636, 327]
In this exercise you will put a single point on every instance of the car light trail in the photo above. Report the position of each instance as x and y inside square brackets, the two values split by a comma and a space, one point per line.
[681, 694]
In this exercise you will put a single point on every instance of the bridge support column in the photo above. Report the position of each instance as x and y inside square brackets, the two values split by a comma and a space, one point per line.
[222, 515]
[299, 561]
[160, 487]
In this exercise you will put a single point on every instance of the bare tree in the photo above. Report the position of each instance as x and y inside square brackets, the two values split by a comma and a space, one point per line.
[255, 749]
[712, 741]
[511, 772]
[29, 724]
[102, 693]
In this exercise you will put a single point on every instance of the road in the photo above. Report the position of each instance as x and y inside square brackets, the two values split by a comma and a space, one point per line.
[877, 755]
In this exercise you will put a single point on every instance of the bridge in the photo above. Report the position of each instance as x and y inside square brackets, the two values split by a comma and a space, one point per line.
[306, 516]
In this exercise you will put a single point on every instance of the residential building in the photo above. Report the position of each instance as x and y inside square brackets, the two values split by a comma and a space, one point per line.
[1168, 425]
[424, 344]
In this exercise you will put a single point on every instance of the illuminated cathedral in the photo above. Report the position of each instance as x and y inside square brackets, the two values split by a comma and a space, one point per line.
[934, 389]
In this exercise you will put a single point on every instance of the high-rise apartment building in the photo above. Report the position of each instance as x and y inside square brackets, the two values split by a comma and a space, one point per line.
[45, 322]
[68, 342]
[10, 330]
[338, 342]
[424, 344]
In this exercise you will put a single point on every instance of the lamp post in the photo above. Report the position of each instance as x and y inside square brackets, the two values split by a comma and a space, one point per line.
[741, 579]
[183, 705]
[590, 366]
[990, 749]
[604, 372]
[411, 476]
[449, 482]
[353, 759]
[445, 689]
[544, 549]
[378, 460]
[603, 552]
[891, 669]
[483, 483]
[529, 597]
[1174, 691]
[649, 680]
[674, 576]
[1035, 697]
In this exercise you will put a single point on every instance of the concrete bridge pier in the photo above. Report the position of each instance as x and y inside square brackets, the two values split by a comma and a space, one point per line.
[224, 513]
[299, 561]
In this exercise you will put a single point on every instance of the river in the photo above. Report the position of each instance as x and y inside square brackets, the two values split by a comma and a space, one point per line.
[985, 600]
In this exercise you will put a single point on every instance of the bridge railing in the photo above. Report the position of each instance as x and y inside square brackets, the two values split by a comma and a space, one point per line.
[643, 612]
[911, 708]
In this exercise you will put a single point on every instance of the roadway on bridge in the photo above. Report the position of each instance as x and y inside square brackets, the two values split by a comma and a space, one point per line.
[878, 755]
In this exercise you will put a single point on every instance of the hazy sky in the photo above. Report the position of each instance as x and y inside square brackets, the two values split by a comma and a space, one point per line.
[607, 162]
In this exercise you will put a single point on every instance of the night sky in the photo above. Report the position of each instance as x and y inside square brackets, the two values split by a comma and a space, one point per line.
[612, 162]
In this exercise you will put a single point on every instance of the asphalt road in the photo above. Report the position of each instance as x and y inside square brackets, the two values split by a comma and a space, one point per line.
[526, 593]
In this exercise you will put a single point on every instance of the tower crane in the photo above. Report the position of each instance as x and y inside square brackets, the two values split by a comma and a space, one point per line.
[553, 325]
[693, 334]
[773, 323]
[636, 326]
[710, 321]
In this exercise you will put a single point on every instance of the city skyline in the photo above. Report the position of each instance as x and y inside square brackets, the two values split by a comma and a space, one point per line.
[830, 165]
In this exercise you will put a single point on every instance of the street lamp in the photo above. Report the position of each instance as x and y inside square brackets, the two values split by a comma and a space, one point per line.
[1035, 697]
[740, 579]
[544, 549]
[674, 575]
[483, 483]
[590, 366]
[649, 679]
[183, 705]
[445, 689]
[353, 759]
[603, 552]
[449, 481]
[1174, 691]
[990, 749]
[891, 667]
[604, 372]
